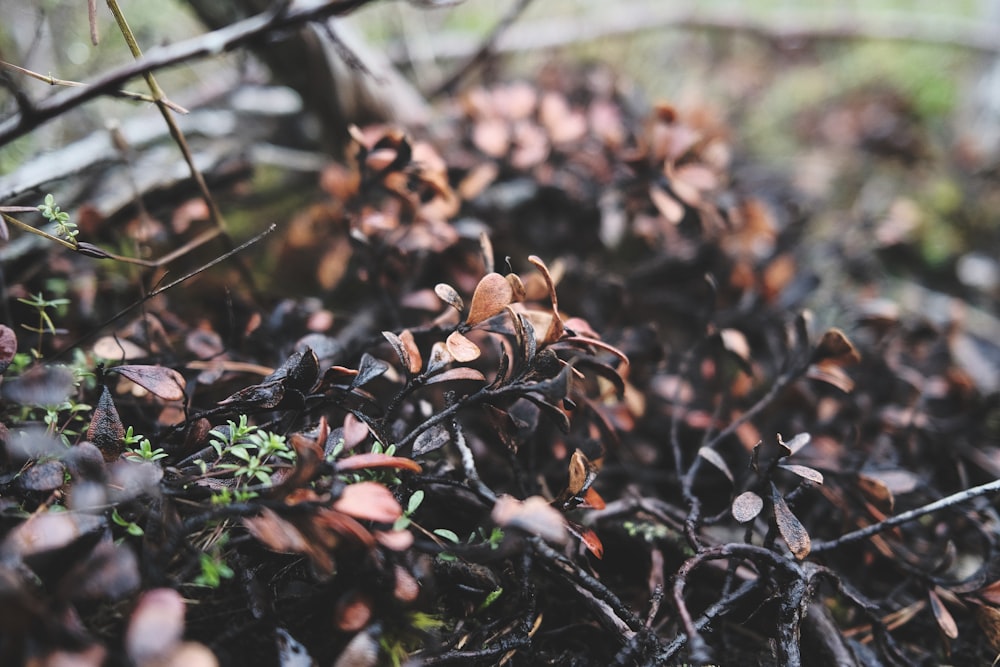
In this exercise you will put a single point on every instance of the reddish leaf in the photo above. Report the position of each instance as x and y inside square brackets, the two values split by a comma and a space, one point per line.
[492, 295]
[160, 381]
[461, 348]
[588, 538]
[156, 626]
[991, 593]
[534, 516]
[370, 460]
[791, 529]
[369, 501]
[353, 611]
[355, 431]
[404, 351]
[593, 500]
[943, 617]
[747, 506]
[276, 533]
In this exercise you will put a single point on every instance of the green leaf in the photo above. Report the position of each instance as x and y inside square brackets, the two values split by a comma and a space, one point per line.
[414, 502]
[446, 534]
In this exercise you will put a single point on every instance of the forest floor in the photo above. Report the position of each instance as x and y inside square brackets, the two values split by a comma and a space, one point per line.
[562, 377]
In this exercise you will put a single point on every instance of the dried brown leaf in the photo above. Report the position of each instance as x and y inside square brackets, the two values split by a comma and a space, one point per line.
[805, 472]
[943, 617]
[988, 619]
[492, 295]
[449, 295]
[160, 381]
[747, 506]
[835, 346]
[456, 374]
[461, 348]
[876, 492]
[276, 533]
[534, 516]
[791, 529]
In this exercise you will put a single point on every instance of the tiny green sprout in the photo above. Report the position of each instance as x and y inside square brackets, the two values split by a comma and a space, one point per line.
[45, 324]
[490, 599]
[130, 527]
[213, 570]
[50, 211]
[403, 522]
[144, 451]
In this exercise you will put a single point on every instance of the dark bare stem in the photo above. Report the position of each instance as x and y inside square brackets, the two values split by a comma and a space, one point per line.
[203, 46]
[906, 517]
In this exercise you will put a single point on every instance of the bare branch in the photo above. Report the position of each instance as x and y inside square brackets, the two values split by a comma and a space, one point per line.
[905, 517]
[203, 46]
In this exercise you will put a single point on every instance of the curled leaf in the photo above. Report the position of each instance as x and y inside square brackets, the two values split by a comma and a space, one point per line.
[372, 460]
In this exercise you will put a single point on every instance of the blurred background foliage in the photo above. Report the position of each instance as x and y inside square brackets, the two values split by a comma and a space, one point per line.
[884, 115]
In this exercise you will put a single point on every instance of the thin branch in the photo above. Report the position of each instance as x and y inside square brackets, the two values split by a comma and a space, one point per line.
[905, 517]
[53, 81]
[787, 27]
[203, 46]
[484, 51]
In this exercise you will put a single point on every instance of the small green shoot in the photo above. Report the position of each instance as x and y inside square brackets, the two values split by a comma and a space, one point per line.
[144, 451]
[50, 211]
[130, 527]
[45, 324]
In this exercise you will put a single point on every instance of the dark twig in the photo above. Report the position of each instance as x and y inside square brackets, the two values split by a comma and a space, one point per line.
[905, 517]
[203, 46]
[487, 47]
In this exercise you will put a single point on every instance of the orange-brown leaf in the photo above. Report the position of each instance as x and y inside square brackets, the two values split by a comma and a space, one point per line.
[943, 617]
[372, 460]
[492, 295]
[369, 501]
[461, 348]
